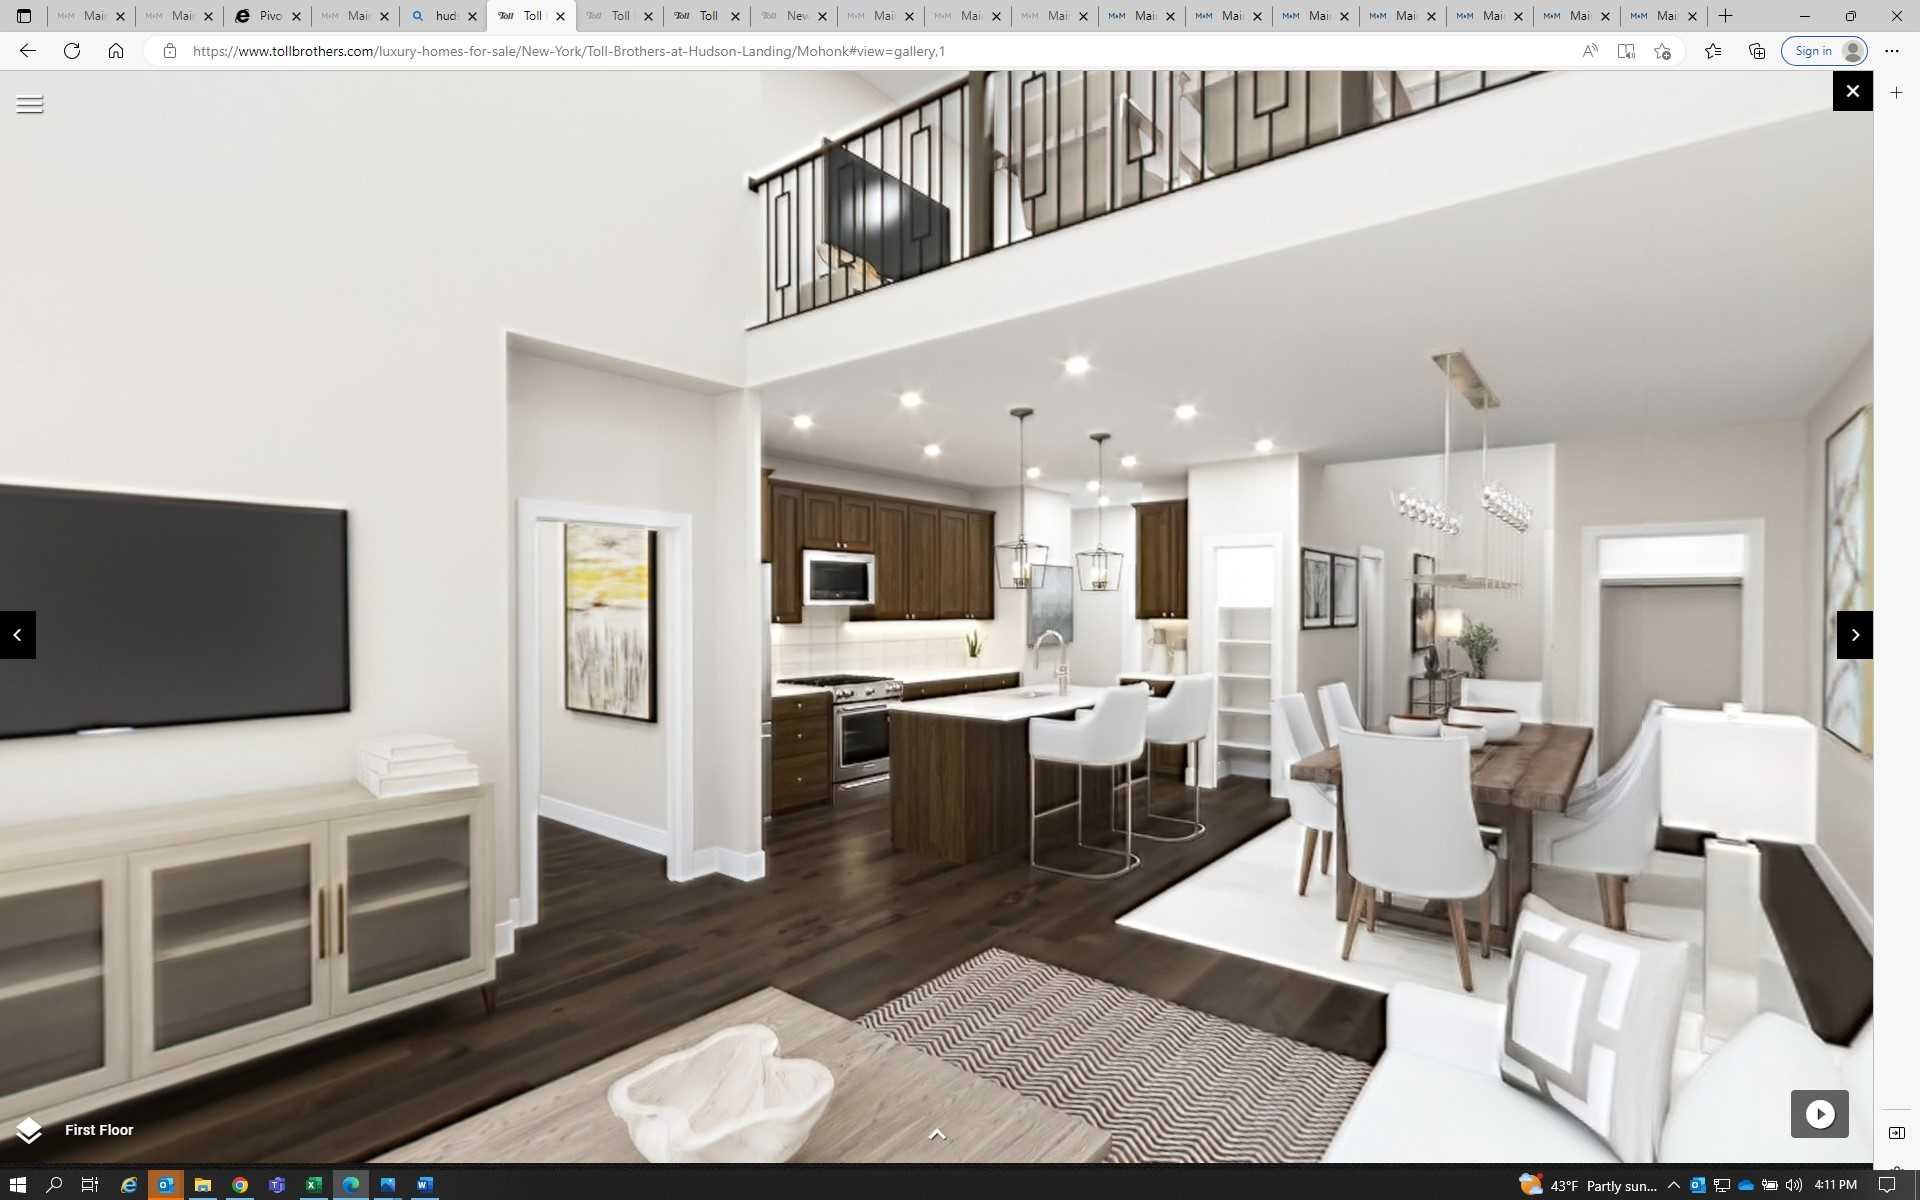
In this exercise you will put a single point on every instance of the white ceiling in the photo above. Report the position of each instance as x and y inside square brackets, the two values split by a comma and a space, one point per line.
[1713, 284]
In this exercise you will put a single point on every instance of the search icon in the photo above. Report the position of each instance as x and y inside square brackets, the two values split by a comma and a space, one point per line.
[54, 1184]
[417, 16]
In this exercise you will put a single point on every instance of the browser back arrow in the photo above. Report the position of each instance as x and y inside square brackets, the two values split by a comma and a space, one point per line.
[25, 50]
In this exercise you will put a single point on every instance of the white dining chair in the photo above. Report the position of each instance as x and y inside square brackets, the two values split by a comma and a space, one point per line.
[1111, 734]
[1337, 712]
[1526, 697]
[1612, 823]
[1410, 828]
[1312, 804]
[1180, 718]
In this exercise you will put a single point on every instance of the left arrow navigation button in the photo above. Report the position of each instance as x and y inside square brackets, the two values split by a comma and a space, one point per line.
[16, 635]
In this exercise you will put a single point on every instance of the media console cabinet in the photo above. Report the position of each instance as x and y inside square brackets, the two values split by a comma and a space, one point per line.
[141, 949]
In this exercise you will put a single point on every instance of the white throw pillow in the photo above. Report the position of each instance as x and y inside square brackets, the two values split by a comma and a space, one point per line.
[1739, 1106]
[1591, 1019]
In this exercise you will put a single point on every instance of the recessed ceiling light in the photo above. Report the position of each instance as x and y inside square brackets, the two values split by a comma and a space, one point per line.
[1263, 446]
[1129, 461]
[911, 399]
[1033, 472]
[1105, 500]
[1186, 412]
[802, 421]
[1093, 485]
[931, 449]
[1078, 365]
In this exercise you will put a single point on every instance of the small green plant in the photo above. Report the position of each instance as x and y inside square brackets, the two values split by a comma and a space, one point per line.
[1479, 641]
[973, 644]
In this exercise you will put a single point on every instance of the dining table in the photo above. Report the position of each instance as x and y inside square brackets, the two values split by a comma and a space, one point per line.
[1535, 772]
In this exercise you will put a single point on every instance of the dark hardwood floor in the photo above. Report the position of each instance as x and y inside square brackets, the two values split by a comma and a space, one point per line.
[620, 954]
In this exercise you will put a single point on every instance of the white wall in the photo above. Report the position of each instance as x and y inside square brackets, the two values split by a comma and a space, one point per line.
[1845, 830]
[1106, 638]
[1740, 472]
[1345, 506]
[321, 319]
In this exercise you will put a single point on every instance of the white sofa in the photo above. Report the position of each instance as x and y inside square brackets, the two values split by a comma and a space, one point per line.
[1436, 1095]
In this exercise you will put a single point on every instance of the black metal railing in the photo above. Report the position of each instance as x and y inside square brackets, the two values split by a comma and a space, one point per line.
[1001, 157]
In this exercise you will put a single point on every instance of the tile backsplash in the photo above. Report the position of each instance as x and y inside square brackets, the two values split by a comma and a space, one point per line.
[826, 641]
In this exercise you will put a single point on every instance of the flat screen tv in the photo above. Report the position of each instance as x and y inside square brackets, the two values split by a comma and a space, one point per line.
[155, 610]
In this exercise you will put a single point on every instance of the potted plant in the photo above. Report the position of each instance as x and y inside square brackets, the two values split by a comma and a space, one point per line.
[973, 645]
[1479, 641]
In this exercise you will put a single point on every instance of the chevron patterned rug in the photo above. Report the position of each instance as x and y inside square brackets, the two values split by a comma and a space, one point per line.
[1170, 1084]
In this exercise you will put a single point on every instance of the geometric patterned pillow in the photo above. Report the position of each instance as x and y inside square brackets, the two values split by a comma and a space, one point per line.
[1591, 1019]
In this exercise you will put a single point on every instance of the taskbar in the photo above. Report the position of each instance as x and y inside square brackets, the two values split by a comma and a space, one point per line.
[615, 1181]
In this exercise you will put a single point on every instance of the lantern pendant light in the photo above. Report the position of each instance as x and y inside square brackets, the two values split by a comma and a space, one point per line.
[1099, 568]
[1021, 565]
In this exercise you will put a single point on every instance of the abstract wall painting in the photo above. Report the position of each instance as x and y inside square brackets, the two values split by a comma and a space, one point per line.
[1316, 589]
[611, 662]
[1346, 591]
[1423, 606]
[1847, 703]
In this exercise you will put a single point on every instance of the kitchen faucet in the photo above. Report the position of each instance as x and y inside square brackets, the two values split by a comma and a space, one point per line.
[1060, 671]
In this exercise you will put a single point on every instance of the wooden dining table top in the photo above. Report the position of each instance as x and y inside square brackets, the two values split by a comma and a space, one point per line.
[1537, 770]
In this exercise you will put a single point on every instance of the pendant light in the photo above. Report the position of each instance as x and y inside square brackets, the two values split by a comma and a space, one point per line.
[1505, 517]
[1099, 568]
[1020, 564]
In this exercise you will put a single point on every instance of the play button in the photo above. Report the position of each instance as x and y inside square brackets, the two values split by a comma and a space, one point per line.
[1819, 1114]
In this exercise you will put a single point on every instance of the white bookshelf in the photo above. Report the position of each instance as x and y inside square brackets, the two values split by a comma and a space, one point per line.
[1242, 630]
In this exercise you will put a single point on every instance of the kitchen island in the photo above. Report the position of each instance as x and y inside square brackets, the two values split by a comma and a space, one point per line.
[959, 767]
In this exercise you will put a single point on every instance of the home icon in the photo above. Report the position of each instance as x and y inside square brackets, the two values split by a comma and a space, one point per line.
[116, 51]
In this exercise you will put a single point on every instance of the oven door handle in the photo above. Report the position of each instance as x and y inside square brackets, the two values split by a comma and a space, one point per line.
[865, 706]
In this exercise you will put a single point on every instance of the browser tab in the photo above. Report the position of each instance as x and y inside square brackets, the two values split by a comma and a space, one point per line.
[882, 16]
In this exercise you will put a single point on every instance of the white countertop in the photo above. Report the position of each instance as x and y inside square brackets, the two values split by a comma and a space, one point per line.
[797, 689]
[1007, 705]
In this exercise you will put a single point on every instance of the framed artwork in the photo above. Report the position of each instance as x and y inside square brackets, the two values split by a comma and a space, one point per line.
[1346, 591]
[1422, 604]
[1316, 589]
[611, 663]
[1846, 708]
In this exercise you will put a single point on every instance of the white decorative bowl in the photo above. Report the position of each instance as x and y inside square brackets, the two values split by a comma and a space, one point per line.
[1412, 725]
[1501, 724]
[1476, 735]
[730, 1099]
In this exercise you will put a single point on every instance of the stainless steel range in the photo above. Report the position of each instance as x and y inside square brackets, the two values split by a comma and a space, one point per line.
[859, 759]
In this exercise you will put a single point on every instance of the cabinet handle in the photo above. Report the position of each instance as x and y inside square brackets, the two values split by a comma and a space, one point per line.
[320, 895]
[341, 897]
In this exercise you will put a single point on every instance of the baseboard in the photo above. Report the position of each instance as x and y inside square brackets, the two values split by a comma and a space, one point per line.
[719, 860]
[1843, 895]
[620, 829]
[502, 940]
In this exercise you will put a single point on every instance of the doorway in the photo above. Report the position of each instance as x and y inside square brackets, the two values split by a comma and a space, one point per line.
[1376, 689]
[1674, 642]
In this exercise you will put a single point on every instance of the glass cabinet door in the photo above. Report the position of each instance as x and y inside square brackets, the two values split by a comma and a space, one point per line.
[62, 979]
[406, 887]
[227, 943]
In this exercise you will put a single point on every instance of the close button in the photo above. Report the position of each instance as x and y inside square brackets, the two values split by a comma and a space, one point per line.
[16, 635]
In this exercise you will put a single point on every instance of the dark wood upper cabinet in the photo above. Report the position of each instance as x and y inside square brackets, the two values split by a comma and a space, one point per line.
[955, 583]
[923, 561]
[890, 562]
[785, 503]
[980, 586]
[856, 523]
[819, 520]
[1160, 567]
[766, 514]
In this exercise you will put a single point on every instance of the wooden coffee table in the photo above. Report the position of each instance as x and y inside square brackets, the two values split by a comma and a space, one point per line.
[888, 1099]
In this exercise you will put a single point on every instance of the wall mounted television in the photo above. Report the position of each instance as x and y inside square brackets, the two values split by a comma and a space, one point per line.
[159, 610]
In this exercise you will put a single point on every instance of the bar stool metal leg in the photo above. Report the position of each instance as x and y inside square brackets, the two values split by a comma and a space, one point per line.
[1194, 827]
[1128, 859]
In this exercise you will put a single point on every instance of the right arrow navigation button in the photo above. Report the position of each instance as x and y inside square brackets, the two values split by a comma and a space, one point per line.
[16, 635]
[1853, 633]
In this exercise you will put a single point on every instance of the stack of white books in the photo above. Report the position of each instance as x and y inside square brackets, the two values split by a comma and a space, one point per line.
[409, 764]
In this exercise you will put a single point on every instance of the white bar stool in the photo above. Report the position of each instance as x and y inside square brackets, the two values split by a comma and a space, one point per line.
[1180, 718]
[1111, 734]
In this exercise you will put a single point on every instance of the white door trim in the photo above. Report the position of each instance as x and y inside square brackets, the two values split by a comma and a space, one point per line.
[676, 682]
[1202, 626]
[1373, 626]
[1753, 581]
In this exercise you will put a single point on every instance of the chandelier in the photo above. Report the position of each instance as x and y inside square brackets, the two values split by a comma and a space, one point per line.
[1099, 568]
[1021, 564]
[1505, 518]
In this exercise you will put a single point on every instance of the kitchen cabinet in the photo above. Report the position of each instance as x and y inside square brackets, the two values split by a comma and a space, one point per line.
[856, 523]
[934, 689]
[786, 503]
[954, 580]
[890, 562]
[1160, 568]
[836, 521]
[139, 954]
[980, 586]
[766, 514]
[802, 740]
[923, 562]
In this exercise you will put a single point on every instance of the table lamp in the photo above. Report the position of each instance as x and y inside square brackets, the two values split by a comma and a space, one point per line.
[1448, 623]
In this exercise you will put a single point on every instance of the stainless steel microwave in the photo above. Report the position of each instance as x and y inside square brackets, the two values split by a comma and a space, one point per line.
[836, 579]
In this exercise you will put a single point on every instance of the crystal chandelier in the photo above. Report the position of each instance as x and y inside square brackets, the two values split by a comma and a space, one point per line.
[1099, 568]
[1021, 564]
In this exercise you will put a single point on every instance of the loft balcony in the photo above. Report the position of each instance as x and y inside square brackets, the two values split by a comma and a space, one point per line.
[1000, 158]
